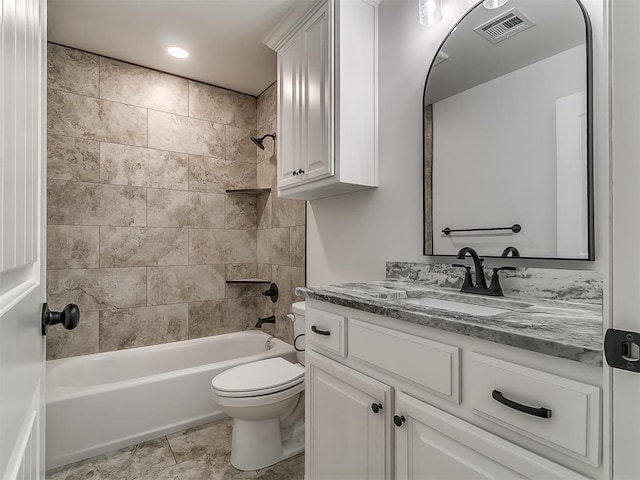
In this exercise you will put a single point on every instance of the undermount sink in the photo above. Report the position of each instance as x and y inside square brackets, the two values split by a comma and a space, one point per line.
[471, 309]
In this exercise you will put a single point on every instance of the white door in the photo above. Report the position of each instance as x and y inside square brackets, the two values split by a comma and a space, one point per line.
[433, 445]
[22, 259]
[626, 227]
[347, 436]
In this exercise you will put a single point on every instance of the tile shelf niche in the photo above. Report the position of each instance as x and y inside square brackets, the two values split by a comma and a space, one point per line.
[248, 191]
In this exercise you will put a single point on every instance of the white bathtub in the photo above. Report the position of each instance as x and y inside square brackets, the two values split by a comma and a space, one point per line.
[102, 402]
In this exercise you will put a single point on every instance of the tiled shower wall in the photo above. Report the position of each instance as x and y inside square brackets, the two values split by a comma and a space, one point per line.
[281, 228]
[141, 234]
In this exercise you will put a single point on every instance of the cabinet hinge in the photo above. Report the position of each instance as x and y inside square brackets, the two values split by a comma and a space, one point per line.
[622, 349]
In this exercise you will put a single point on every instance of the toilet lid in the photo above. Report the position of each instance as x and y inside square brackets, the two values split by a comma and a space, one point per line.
[258, 378]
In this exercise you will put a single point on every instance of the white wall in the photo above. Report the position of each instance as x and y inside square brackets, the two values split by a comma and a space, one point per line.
[498, 141]
[349, 237]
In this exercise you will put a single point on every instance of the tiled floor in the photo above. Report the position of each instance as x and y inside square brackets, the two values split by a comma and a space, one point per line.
[200, 453]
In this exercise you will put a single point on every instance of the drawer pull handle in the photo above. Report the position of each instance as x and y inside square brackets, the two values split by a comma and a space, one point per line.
[314, 329]
[376, 407]
[536, 412]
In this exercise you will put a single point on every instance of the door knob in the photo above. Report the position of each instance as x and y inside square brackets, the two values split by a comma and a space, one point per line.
[398, 420]
[69, 317]
[376, 407]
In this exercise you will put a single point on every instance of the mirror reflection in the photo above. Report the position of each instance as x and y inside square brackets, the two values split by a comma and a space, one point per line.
[507, 133]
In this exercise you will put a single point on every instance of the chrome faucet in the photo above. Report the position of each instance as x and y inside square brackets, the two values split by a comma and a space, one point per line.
[480, 288]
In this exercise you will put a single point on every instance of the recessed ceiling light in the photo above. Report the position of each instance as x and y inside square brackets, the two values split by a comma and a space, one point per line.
[491, 4]
[178, 52]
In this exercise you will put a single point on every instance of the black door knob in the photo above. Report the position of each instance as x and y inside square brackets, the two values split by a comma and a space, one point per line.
[69, 317]
[376, 407]
[398, 420]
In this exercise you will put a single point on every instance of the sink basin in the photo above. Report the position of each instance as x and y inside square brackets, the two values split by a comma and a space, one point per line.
[477, 310]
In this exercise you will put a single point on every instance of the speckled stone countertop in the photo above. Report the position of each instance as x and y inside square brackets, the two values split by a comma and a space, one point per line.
[563, 329]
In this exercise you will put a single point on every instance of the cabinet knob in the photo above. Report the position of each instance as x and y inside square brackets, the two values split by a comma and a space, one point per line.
[300, 172]
[376, 407]
[398, 420]
[295, 173]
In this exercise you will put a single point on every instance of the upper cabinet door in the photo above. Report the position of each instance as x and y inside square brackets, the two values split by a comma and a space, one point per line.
[316, 102]
[347, 438]
[289, 95]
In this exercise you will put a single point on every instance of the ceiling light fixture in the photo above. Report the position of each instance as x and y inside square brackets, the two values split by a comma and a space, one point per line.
[491, 4]
[178, 52]
[429, 11]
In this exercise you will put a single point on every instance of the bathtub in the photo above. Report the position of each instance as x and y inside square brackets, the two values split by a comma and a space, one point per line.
[102, 402]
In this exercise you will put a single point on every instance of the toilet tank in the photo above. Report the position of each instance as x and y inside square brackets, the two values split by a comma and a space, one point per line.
[298, 317]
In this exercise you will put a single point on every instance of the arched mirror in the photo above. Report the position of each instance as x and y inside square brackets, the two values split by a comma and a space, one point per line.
[508, 157]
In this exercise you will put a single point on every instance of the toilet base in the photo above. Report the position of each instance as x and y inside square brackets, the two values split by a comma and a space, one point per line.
[253, 446]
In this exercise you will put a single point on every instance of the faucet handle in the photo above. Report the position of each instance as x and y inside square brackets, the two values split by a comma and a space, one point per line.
[468, 280]
[495, 286]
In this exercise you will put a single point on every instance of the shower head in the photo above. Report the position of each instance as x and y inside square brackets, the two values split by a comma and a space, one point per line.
[259, 142]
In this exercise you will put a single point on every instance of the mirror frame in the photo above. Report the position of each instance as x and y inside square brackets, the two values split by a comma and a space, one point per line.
[590, 173]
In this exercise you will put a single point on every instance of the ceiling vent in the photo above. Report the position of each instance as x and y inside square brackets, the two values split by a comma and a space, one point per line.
[504, 26]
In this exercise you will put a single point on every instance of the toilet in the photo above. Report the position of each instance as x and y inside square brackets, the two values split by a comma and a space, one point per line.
[266, 401]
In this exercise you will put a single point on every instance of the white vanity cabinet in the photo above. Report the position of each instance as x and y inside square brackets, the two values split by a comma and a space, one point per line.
[436, 415]
[327, 98]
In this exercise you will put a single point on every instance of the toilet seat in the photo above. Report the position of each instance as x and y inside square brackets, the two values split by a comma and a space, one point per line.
[259, 378]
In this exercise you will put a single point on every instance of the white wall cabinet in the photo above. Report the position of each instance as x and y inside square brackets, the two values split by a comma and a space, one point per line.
[430, 427]
[327, 98]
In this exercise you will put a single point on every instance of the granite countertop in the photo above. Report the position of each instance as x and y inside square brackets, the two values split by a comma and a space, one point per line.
[563, 329]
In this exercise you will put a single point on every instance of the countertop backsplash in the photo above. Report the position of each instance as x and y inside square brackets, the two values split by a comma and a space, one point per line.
[544, 283]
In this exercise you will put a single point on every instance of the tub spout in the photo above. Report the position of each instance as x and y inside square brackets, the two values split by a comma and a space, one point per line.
[271, 319]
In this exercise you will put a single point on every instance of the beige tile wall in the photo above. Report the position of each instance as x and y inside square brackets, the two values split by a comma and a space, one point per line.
[141, 234]
[281, 228]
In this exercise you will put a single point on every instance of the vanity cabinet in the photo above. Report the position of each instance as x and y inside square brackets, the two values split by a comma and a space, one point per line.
[327, 98]
[436, 415]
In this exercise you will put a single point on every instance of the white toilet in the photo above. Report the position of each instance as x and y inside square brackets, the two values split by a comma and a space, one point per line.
[266, 401]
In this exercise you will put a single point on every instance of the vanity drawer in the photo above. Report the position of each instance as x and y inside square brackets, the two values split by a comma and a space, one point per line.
[326, 331]
[430, 365]
[563, 414]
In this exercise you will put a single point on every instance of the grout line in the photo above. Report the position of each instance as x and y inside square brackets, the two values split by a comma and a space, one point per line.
[146, 285]
[170, 448]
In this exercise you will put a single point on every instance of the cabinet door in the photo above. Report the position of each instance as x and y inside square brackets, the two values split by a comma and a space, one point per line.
[317, 116]
[345, 438]
[289, 70]
[431, 444]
